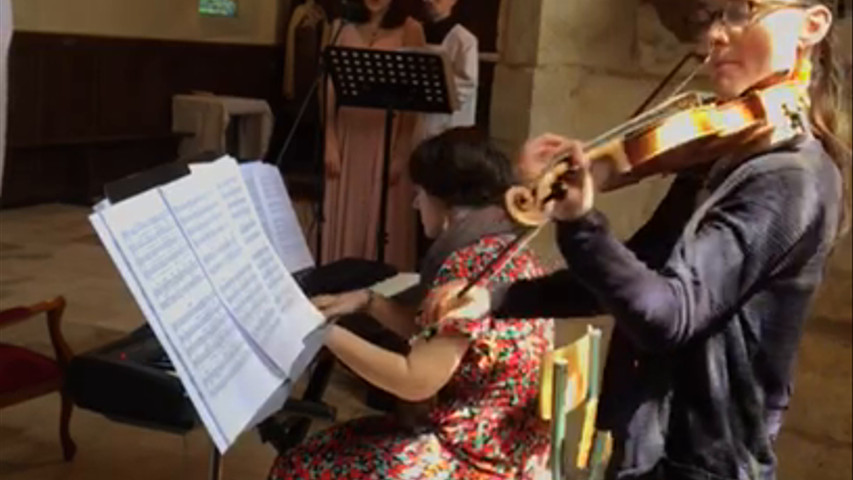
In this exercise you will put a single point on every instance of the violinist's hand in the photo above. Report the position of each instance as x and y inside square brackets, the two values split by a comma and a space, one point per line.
[334, 306]
[580, 193]
[443, 303]
[537, 154]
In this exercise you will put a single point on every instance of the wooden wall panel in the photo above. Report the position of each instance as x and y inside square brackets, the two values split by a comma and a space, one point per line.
[135, 80]
[25, 103]
[67, 87]
[87, 110]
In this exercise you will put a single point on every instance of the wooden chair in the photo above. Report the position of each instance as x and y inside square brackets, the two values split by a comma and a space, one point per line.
[25, 375]
[570, 380]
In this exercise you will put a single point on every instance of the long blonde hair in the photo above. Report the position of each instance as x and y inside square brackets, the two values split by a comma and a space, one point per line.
[830, 115]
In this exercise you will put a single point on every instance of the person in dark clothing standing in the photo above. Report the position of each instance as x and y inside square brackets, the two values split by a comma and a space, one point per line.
[709, 297]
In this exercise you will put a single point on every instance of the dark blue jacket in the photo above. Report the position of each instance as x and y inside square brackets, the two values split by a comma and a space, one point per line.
[709, 300]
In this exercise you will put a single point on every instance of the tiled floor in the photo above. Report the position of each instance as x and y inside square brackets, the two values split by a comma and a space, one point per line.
[50, 250]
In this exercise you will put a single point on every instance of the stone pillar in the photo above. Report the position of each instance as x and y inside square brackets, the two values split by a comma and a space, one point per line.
[512, 92]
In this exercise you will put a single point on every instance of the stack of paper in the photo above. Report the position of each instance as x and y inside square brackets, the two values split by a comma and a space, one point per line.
[197, 256]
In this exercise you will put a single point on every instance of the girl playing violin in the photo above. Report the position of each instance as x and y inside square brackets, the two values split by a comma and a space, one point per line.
[709, 297]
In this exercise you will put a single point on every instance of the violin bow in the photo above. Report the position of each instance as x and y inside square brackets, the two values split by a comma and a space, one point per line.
[506, 254]
[670, 76]
[522, 240]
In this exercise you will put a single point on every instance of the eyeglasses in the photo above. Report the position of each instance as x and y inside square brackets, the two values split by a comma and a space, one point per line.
[738, 13]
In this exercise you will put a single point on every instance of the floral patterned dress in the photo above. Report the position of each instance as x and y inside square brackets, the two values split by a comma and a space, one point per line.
[484, 424]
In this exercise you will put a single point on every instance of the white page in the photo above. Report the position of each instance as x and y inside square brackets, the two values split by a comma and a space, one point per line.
[284, 220]
[281, 217]
[220, 365]
[183, 373]
[248, 174]
[296, 318]
[206, 223]
[251, 186]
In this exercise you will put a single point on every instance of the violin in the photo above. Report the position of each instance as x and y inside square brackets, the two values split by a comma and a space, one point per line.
[690, 129]
[687, 130]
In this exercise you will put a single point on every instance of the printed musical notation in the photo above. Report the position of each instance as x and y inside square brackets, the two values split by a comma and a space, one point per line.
[222, 374]
[197, 259]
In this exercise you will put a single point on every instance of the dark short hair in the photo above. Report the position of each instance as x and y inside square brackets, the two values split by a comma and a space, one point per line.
[462, 168]
[395, 17]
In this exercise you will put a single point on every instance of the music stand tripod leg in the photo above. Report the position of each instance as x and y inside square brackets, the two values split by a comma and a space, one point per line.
[215, 471]
[382, 236]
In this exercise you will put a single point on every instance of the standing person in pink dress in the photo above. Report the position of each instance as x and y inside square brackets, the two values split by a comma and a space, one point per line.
[354, 154]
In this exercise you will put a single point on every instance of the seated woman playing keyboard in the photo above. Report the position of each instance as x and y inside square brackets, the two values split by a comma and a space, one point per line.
[478, 375]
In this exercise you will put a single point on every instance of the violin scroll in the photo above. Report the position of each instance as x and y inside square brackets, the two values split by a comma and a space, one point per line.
[527, 205]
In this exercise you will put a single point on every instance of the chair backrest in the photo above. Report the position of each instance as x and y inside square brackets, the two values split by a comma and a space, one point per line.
[569, 380]
[576, 359]
[54, 309]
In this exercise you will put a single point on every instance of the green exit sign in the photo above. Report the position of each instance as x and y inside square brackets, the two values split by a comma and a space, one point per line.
[218, 8]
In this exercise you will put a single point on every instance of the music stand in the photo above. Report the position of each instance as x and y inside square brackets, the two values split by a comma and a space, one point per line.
[413, 80]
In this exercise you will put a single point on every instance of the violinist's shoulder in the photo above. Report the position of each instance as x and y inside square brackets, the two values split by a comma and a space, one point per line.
[803, 174]
[807, 157]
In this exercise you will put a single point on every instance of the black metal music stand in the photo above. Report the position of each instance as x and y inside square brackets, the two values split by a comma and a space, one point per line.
[414, 80]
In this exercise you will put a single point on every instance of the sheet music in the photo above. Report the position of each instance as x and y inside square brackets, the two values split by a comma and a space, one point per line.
[234, 260]
[283, 337]
[272, 199]
[226, 381]
[257, 201]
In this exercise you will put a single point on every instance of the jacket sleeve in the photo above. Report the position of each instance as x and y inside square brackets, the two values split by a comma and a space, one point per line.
[737, 243]
[558, 295]
[562, 295]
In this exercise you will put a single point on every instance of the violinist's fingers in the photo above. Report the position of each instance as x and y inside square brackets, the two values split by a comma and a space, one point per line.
[545, 143]
[474, 304]
[575, 156]
[440, 300]
[551, 138]
[451, 303]
[579, 155]
[555, 144]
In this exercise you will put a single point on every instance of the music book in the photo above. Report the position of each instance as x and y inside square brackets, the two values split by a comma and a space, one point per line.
[207, 257]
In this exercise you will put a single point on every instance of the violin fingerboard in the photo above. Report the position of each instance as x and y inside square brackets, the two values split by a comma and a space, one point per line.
[651, 117]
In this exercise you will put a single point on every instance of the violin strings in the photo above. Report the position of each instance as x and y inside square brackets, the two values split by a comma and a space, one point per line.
[690, 77]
